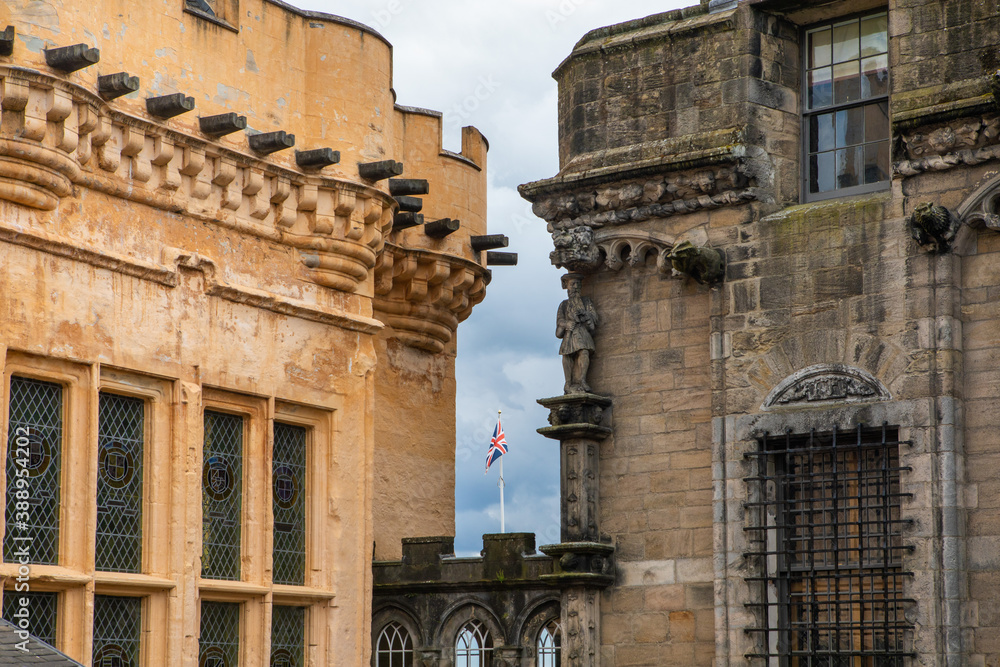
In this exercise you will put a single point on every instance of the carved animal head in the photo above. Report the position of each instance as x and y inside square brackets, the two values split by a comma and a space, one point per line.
[933, 226]
[704, 264]
[575, 249]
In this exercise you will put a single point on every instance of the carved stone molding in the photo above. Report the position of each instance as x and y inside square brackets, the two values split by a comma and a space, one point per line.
[423, 295]
[581, 563]
[826, 383]
[983, 206]
[968, 141]
[638, 200]
[576, 416]
[55, 135]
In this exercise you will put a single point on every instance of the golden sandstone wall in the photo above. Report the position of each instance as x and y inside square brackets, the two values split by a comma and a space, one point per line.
[142, 257]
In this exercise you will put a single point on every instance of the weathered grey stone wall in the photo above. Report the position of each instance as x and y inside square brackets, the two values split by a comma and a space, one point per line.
[685, 127]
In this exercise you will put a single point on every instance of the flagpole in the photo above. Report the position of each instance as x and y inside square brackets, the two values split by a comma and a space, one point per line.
[501, 484]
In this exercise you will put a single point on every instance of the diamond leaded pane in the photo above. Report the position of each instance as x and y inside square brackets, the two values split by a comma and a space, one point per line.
[117, 631]
[220, 635]
[37, 611]
[288, 636]
[119, 483]
[289, 503]
[222, 496]
[34, 447]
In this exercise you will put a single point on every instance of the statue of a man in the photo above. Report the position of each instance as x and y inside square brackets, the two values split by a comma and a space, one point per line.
[575, 322]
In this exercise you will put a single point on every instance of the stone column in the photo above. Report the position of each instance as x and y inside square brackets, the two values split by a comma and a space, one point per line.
[583, 564]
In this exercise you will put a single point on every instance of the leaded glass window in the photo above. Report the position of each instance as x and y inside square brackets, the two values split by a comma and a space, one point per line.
[220, 635]
[119, 483]
[847, 107]
[549, 644]
[394, 647]
[222, 496]
[474, 646]
[289, 503]
[34, 457]
[288, 636]
[117, 631]
[34, 612]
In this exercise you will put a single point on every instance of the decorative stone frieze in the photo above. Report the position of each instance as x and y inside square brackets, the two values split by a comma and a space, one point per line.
[423, 295]
[55, 135]
[937, 147]
[638, 200]
[827, 383]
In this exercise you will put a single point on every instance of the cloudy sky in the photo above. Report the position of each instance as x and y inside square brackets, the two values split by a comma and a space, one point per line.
[489, 64]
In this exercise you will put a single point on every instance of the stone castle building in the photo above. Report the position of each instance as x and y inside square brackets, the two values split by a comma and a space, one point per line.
[223, 312]
[786, 216]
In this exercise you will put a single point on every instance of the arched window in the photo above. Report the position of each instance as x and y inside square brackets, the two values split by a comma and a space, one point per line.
[394, 648]
[549, 641]
[474, 646]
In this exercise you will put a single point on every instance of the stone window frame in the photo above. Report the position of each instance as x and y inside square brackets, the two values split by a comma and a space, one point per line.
[458, 615]
[532, 621]
[806, 114]
[402, 617]
[936, 444]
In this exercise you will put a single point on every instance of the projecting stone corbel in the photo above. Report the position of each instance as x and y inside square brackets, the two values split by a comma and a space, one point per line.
[222, 124]
[705, 265]
[168, 106]
[113, 86]
[934, 227]
[7, 41]
[72, 58]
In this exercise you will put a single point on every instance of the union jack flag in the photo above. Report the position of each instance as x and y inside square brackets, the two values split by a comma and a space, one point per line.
[498, 446]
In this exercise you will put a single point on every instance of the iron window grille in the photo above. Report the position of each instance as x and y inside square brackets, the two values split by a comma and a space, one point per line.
[826, 549]
[846, 107]
[38, 610]
[34, 458]
[474, 646]
[222, 496]
[394, 647]
[288, 636]
[219, 644]
[549, 645]
[119, 483]
[288, 472]
[117, 631]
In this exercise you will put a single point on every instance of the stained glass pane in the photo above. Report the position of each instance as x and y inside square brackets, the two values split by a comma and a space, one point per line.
[34, 612]
[117, 631]
[34, 448]
[222, 496]
[288, 636]
[289, 503]
[220, 635]
[119, 483]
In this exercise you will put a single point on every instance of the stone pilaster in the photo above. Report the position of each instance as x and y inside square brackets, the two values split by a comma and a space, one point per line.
[582, 564]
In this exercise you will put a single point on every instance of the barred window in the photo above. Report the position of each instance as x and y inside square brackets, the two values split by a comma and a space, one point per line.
[34, 612]
[549, 645]
[119, 483]
[394, 647]
[117, 631]
[474, 646]
[222, 496]
[288, 636]
[219, 645]
[34, 457]
[826, 539]
[846, 107]
[288, 474]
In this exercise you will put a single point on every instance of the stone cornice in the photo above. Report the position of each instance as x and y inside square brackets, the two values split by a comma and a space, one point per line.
[423, 295]
[56, 135]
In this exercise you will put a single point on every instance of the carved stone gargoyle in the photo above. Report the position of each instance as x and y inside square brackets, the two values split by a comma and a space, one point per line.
[576, 249]
[703, 264]
[933, 226]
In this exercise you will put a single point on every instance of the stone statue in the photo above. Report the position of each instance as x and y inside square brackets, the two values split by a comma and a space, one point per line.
[933, 226]
[575, 322]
